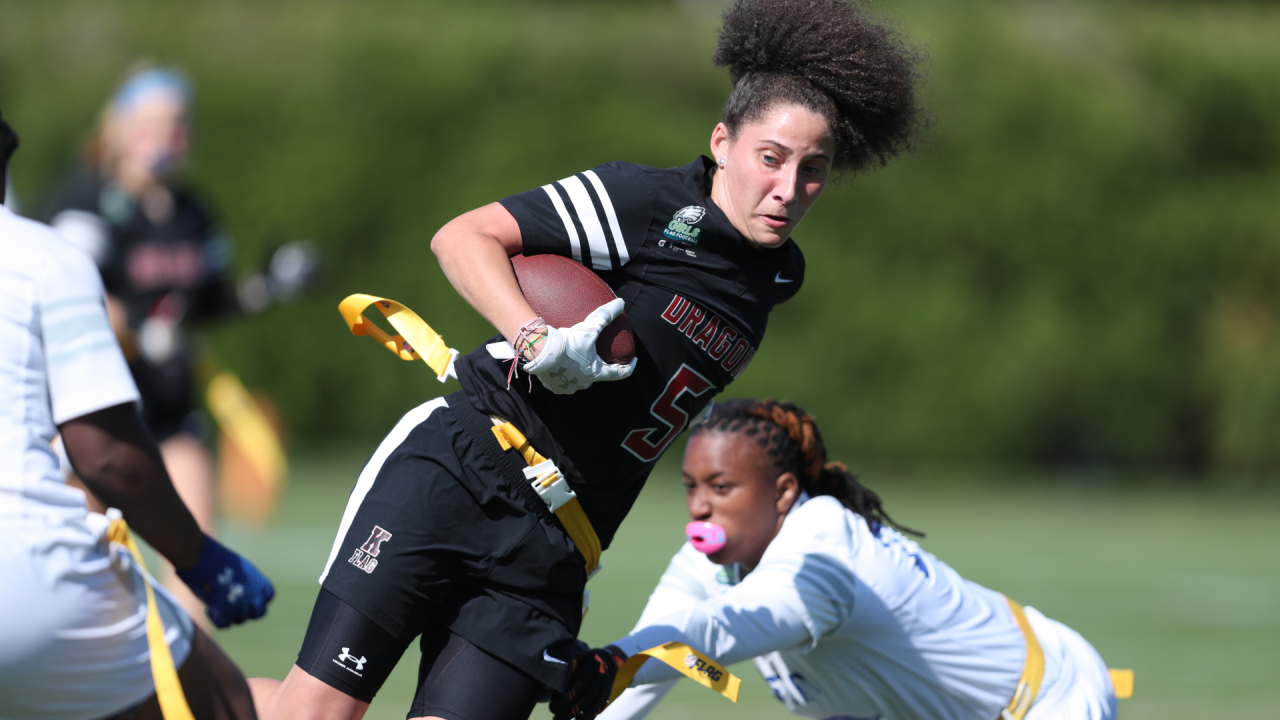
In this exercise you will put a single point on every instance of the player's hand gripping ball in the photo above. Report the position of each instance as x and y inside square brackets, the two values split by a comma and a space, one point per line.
[568, 362]
[590, 684]
[232, 588]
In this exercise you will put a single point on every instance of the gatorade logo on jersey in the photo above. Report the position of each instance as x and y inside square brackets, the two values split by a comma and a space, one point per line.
[366, 556]
[681, 228]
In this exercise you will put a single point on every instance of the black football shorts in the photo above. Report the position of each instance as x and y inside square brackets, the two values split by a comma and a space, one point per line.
[433, 534]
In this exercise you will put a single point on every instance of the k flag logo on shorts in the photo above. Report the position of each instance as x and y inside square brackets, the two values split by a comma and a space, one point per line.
[365, 557]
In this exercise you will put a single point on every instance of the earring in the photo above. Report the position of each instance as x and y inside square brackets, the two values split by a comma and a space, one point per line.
[721, 161]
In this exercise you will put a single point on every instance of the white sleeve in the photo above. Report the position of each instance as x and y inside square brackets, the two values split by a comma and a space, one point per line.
[791, 599]
[637, 702]
[681, 586]
[85, 368]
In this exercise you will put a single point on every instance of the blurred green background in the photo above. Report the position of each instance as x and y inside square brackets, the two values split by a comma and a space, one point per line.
[1079, 267]
[1050, 333]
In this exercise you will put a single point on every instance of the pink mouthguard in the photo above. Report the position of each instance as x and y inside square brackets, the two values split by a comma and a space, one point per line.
[705, 537]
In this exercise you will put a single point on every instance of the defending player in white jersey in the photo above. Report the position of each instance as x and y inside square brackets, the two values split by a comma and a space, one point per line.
[73, 606]
[794, 563]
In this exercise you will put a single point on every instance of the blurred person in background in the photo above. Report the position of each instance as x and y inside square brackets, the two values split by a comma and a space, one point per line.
[74, 610]
[794, 563]
[166, 263]
[443, 537]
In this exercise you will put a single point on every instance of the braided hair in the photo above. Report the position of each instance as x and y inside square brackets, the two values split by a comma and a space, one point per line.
[829, 57]
[792, 441]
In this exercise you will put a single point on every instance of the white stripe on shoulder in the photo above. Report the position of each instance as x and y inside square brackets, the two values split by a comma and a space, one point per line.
[411, 420]
[618, 243]
[574, 244]
[590, 220]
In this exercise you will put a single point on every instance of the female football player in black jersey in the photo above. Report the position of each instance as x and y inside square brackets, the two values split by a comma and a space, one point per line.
[165, 263]
[442, 537]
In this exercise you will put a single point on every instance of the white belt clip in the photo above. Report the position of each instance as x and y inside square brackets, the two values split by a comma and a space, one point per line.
[549, 484]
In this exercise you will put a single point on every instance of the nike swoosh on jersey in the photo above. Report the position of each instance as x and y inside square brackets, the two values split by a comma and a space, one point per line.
[779, 279]
[548, 658]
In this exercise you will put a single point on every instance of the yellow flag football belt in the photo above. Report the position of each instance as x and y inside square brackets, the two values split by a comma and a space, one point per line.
[173, 702]
[687, 661]
[1032, 669]
[1033, 672]
[554, 490]
[417, 341]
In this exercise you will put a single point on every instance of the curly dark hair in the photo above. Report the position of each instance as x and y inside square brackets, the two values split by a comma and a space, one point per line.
[830, 57]
[790, 437]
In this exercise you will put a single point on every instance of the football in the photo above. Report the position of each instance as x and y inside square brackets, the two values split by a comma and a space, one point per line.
[564, 292]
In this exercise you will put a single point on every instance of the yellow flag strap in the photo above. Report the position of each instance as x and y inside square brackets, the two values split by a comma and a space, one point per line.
[240, 418]
[575, 522]
[416, 341]
[571, 514]
[1122, 681]
[510, 437]
[1032, 669]
[686, 661]
[173, 702]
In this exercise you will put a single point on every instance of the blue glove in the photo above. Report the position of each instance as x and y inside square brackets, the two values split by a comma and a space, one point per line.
[232, 589]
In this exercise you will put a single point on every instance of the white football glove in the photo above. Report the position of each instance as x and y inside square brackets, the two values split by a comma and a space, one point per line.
[568, 361]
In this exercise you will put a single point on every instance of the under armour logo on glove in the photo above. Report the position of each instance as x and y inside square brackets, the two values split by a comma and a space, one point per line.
[563, 381]
[231, 587]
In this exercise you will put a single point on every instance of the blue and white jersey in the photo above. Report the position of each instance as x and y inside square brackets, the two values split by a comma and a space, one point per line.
[59, 361]
[842, 619]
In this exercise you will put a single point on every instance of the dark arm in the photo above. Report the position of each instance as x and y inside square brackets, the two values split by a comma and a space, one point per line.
[119, 462]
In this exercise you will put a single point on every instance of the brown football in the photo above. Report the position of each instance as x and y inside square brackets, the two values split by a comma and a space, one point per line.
[564, 292]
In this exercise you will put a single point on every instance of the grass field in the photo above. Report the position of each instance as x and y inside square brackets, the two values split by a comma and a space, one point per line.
[1183, 585]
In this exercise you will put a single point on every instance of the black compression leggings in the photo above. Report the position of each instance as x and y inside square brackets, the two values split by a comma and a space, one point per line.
[463, 682]
[456, 680]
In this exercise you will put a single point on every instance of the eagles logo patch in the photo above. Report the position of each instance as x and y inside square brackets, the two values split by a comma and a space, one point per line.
[681, 228]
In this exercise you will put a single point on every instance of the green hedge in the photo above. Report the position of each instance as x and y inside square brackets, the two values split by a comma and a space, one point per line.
[1080, 266]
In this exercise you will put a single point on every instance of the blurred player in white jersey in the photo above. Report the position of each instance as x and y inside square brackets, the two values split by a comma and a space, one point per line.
[73, 637]
[792, 562]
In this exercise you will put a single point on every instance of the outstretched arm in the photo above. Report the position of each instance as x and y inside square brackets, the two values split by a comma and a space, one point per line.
[784, 603]
[119, 462]
[637, 702]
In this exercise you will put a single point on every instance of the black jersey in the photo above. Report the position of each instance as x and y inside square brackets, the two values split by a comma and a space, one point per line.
[162, 256]
[173, 249]
[698, 297]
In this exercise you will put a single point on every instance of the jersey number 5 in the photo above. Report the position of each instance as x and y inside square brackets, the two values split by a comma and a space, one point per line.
[642, 442]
